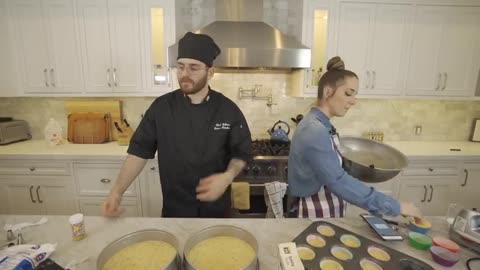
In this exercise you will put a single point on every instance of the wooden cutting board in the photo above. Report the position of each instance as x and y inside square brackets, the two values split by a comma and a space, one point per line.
[113, 107]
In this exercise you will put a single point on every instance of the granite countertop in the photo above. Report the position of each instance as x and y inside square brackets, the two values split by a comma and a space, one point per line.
[39, 148]
[268, 232]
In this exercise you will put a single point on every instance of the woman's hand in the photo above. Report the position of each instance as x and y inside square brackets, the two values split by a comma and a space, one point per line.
[410, 210]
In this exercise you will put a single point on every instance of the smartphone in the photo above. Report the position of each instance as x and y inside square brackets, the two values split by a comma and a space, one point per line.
[382, 228]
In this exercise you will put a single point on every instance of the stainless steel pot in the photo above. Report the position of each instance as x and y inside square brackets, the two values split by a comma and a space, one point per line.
[221, 230]
[140, 236]
[371, 161]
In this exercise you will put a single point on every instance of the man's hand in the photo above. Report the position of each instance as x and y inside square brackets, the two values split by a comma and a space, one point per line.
[212, 187]
[110, 207]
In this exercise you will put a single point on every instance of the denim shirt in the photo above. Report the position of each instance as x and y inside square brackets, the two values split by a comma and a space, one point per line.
[313, 163]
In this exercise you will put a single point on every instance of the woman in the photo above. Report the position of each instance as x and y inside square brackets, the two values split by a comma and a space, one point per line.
[316, 177]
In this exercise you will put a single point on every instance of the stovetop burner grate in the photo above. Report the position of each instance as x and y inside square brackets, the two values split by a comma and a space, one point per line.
[267, 147]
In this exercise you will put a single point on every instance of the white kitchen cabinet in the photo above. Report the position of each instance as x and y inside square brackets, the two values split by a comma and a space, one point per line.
[158, 25]
[92, 206]
[444, 57]
[151, 189]
[431, 195]
[97, 179]
[110, 41]
[47, 46]
[317, 34]
[430, 184]
[372, 40]
[8, 74]
[468, 193]
[37, 195]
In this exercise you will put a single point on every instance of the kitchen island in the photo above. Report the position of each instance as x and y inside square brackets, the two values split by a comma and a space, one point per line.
[268, 232]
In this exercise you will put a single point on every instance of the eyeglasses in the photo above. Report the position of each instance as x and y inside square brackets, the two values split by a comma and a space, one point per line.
[192, 70]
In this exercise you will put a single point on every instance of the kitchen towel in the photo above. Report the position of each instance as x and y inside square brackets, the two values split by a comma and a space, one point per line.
[274, 193]
[240, 195]
[19, 226]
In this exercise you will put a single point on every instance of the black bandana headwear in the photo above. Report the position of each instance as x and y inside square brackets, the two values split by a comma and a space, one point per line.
[200, 47]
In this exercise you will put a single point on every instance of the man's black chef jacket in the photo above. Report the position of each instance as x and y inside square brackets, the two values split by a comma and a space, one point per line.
[193, 141]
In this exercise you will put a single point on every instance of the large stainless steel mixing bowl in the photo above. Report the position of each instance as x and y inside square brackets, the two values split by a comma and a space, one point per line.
[371, 161]
[136, 237]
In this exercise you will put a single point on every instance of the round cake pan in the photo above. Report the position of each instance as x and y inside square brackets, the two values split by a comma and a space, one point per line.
[136, 237]
[221, 230]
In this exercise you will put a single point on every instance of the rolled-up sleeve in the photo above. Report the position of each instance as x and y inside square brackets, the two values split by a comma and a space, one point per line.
[322, 158]
[240, 140]
[144, 140]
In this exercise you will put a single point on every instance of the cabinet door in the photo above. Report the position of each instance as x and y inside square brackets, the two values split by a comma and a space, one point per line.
[151, 189]
[158, 24]
[415, 191]
[92, 206]
[95, 45]
[21, 198]
[57, 198]
[388, 49]
[469, 186]
[423, 75]
[442, 193]
[125, 44]
[356, 21]
[459, 59]
[31, 42]
[8, 69]
[65, 71]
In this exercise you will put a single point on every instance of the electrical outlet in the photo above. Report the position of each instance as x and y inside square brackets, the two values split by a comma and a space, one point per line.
[418, 130]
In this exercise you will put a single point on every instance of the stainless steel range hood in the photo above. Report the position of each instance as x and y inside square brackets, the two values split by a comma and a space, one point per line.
[248, 42]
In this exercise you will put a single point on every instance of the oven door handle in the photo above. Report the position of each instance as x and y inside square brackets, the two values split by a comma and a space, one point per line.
[257, 185]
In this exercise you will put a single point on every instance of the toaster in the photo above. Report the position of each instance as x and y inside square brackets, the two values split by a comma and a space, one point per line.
[14, 131]
[465, 229]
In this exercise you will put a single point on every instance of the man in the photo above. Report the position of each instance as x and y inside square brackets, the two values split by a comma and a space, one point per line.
[202, 139]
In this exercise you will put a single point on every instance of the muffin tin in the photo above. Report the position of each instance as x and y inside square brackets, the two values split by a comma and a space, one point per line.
[334, 246]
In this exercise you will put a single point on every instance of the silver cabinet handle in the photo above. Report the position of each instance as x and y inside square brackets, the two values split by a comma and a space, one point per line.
[115, 77]
[466, 178]
[105, 180]
[46, 77]
[368, 79]
[424, 194]
[445, 81]
[108, 78]
[38, 195]
[52, 77]
[431, 194]
[32, 169]
[438, 81]
[374, 79]
[31, 195]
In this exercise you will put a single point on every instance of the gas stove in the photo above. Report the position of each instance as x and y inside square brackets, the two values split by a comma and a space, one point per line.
[269, 163]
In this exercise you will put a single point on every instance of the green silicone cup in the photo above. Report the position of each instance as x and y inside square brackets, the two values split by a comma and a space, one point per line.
[419, 241]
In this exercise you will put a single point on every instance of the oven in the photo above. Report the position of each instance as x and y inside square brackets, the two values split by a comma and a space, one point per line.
[269, 163]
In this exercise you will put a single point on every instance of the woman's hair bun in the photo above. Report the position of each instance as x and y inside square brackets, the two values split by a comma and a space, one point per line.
[335, 63]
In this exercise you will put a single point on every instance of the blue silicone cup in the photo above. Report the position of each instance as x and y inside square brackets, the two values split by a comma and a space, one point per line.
[414, 228]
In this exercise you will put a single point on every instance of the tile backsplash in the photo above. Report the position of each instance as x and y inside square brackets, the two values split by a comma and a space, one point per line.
[441, 120]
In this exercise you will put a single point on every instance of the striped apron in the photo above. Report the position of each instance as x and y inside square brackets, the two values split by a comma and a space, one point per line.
[324, 204]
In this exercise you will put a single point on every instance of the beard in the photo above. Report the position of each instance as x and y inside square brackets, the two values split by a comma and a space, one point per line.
[194, 87]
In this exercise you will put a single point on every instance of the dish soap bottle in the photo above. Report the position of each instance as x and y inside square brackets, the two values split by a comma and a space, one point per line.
[53, 133]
